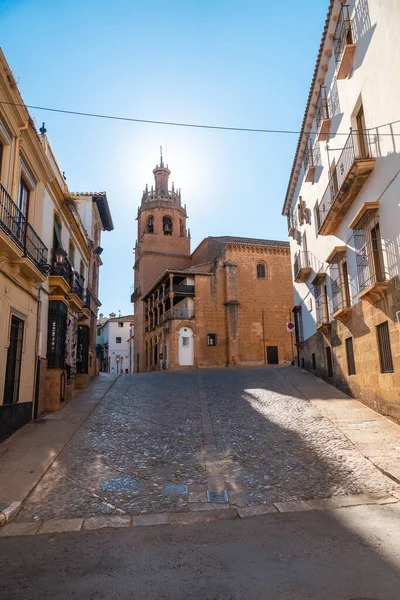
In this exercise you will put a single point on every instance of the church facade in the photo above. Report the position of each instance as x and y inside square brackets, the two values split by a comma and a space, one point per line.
[225, 304]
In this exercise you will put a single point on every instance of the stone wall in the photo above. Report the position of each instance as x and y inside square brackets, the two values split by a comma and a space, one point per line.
[380, 391]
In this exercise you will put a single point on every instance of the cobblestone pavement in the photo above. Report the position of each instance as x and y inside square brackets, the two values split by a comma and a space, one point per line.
[147, 433]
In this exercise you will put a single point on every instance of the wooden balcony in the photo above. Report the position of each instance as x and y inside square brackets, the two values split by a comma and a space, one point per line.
[355, 164]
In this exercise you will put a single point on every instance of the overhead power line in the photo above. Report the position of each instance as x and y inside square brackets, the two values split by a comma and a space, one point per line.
[177, 124]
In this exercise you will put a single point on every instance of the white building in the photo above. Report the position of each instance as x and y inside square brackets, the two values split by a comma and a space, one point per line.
[113, 342]
[342, 205]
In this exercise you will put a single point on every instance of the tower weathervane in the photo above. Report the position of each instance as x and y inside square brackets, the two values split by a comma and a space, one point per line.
[161, 159]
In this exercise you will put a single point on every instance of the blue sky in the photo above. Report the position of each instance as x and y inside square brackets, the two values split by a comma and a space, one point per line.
[244, 64]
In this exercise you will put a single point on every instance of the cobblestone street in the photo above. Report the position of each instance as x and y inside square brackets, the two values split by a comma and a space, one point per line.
[151, 431]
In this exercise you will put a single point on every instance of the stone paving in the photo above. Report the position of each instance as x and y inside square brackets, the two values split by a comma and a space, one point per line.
[270, 443]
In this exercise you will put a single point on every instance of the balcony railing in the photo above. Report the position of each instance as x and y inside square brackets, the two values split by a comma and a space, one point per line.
[302, 266]
[343, 43]
[184, 289]
[371, 272]
[183, 313]
[77, 285]
[353, 168]
[61, 269]
[323, 115]
[321, 307]
[14, 223]
[291, 224]
[88, 297]
[310, 161]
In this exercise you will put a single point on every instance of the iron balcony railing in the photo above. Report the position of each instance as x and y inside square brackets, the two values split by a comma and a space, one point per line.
[77, 286]
[14, 223]
[301, 261]
[88, 297]
[340, 288]
[321, 307]
[360, 145]
[322, 111]
[61, 269]
[369, 255]
[291, 223]
[344, 33]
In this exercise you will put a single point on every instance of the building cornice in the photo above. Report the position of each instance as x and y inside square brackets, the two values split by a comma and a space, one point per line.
[323, 57]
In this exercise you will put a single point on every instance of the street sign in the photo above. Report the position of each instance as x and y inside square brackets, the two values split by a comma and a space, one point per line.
[290, 327]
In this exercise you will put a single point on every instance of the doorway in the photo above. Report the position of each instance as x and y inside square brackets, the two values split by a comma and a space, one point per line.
[186, 347]
[272, 355]
[14, 358]
[329, 361]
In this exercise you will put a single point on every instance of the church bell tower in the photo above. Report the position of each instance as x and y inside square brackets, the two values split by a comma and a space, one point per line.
[162, 243]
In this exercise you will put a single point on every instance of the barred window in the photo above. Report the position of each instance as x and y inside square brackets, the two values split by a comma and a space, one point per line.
[185, 342]
[385, 351]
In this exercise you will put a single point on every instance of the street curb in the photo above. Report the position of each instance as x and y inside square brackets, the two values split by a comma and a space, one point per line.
[13, 509]
[107, 522]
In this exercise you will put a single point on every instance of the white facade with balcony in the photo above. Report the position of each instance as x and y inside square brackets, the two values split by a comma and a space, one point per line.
[342, 205]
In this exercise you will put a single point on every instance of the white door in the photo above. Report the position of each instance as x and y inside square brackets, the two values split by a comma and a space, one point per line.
[186, 347]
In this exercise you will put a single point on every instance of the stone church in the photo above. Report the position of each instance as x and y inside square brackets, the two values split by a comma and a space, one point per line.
[225, 304]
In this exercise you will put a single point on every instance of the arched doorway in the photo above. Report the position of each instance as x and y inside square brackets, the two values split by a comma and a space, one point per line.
[186, 347]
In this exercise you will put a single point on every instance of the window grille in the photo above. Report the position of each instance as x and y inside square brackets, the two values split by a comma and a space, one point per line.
[56, 334]
[118, 340]
[351, 365]
[120, 324]
[185, 342]
[369, 253]
[385, 351]
[82, 358]
[211, 339]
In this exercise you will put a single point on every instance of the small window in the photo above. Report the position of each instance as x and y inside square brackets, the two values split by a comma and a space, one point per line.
[351, 365]
[150, 225]
[118, 340]
[98, 331]
[260, 271]
[185, 342]
[385, 351]
[23, 198]
[211, 339]
[314, 362]
[120, 324]
[82, 269]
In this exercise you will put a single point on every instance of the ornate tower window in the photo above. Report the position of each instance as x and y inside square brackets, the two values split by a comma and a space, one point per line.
[167, 225]
[150, 224]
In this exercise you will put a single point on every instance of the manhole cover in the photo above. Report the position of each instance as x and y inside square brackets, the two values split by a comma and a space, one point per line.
[173, 488]
[3, 505]
[217, 496]
[120, 484]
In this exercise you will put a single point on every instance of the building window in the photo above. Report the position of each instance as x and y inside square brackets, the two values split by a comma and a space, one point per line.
[321, 302]
[56, 334]
[314, 362]
[340, 284]
[71, 253]
[98, 331]
[118, 340]
[298, 324]
[369, 255]
[260, 271]
[351, 365]
[185, 342]
[385, 351]
[82, 269]
[150, 224]
[14, 359]
[167, 225]
[120, 324]
[211, 339]
[329, 361]
[23, 198]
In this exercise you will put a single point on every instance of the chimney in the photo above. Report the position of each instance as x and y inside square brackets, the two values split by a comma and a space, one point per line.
[112, 315]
